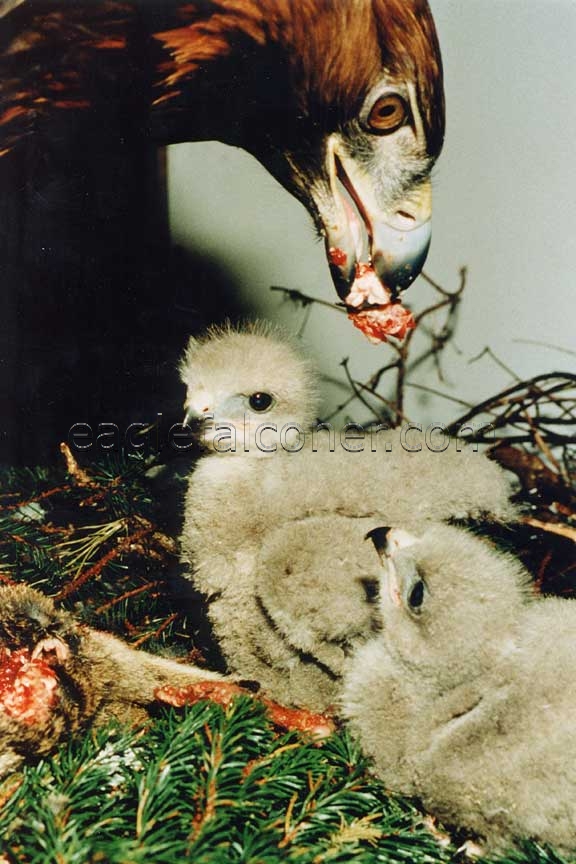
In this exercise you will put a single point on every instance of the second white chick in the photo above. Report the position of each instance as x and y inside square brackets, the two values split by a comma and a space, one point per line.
[272, 532]
[466, 698]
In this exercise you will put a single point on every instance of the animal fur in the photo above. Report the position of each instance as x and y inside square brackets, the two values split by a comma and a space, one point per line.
[58, 676]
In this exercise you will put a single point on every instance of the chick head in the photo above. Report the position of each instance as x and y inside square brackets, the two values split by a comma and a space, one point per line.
[249, 388]
[449, 601]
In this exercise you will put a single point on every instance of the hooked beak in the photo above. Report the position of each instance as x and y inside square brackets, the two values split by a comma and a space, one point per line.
[379, 537]
[195, 417]
[387, 542]
[394, 242]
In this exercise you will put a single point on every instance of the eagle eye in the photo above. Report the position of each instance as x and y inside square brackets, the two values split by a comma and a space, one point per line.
[388, 114]
[260, 401]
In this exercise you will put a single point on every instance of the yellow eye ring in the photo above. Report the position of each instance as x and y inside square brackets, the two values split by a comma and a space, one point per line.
[388, 114]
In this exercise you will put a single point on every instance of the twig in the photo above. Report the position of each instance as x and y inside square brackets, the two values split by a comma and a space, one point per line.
[552, 527]
[389, 404]
[40, 497]
[435, 392]
[487, 352]
[543, 445]
[80, 477]
[357, 392]
[305, 299]
[97, 568]
[127, 595]
[513, 390]
[155, 633]
[443, 291]
[544, 345]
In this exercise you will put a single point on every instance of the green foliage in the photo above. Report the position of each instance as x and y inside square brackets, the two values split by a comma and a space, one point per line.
[206, 785]
[213, 786]
[97, 541]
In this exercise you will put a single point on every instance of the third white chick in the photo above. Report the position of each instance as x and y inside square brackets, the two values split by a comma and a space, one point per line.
[466, 698]
[272, 537]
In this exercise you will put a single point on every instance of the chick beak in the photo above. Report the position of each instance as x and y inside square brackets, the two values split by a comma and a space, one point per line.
[393, 241]
[194, 418]
[387, 542]
[379, 537]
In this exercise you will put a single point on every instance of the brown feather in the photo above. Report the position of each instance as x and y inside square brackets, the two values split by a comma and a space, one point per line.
[333, 50]
[336, 50]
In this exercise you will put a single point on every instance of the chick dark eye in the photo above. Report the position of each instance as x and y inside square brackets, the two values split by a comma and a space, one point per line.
[387, 114]
[416, 596]
[260, 401]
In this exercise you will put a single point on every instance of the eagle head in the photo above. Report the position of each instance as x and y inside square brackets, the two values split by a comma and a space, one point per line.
[353, 128]
[341, 100]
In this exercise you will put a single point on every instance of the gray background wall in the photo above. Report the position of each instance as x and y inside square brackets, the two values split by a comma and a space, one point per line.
[505, 206]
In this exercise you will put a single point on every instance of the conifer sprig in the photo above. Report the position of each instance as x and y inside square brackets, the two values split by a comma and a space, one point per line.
[214, 786]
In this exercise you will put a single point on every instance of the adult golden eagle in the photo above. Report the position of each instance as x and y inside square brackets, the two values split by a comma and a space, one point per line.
[341, 100]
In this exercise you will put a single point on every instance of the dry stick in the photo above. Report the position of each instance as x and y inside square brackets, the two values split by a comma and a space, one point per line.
[376, 377]
[102, 493]
[305, 319]
[487, 352]
[402, 351]
[441, 339]
[40, 497]
[357, 393]
[542, 444]
[539, 578]
[305, 299]
[508, 417]
[443, 291]
[387, 402]
[525, 438]
[544, 345]
[552, 527]
[165, 624]
[435, 392]
[534, 395]
[500, 398]
[451, 300]
[538, 392]
[340, 407]
[517, 420]
[80, 477]
[545, 420]
[127, 594]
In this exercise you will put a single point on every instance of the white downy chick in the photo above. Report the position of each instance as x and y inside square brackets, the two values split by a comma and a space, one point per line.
[272, 531]
[466, 698]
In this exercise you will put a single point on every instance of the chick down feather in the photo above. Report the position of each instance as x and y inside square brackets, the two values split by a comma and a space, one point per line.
[274, 527]
[466, 697]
